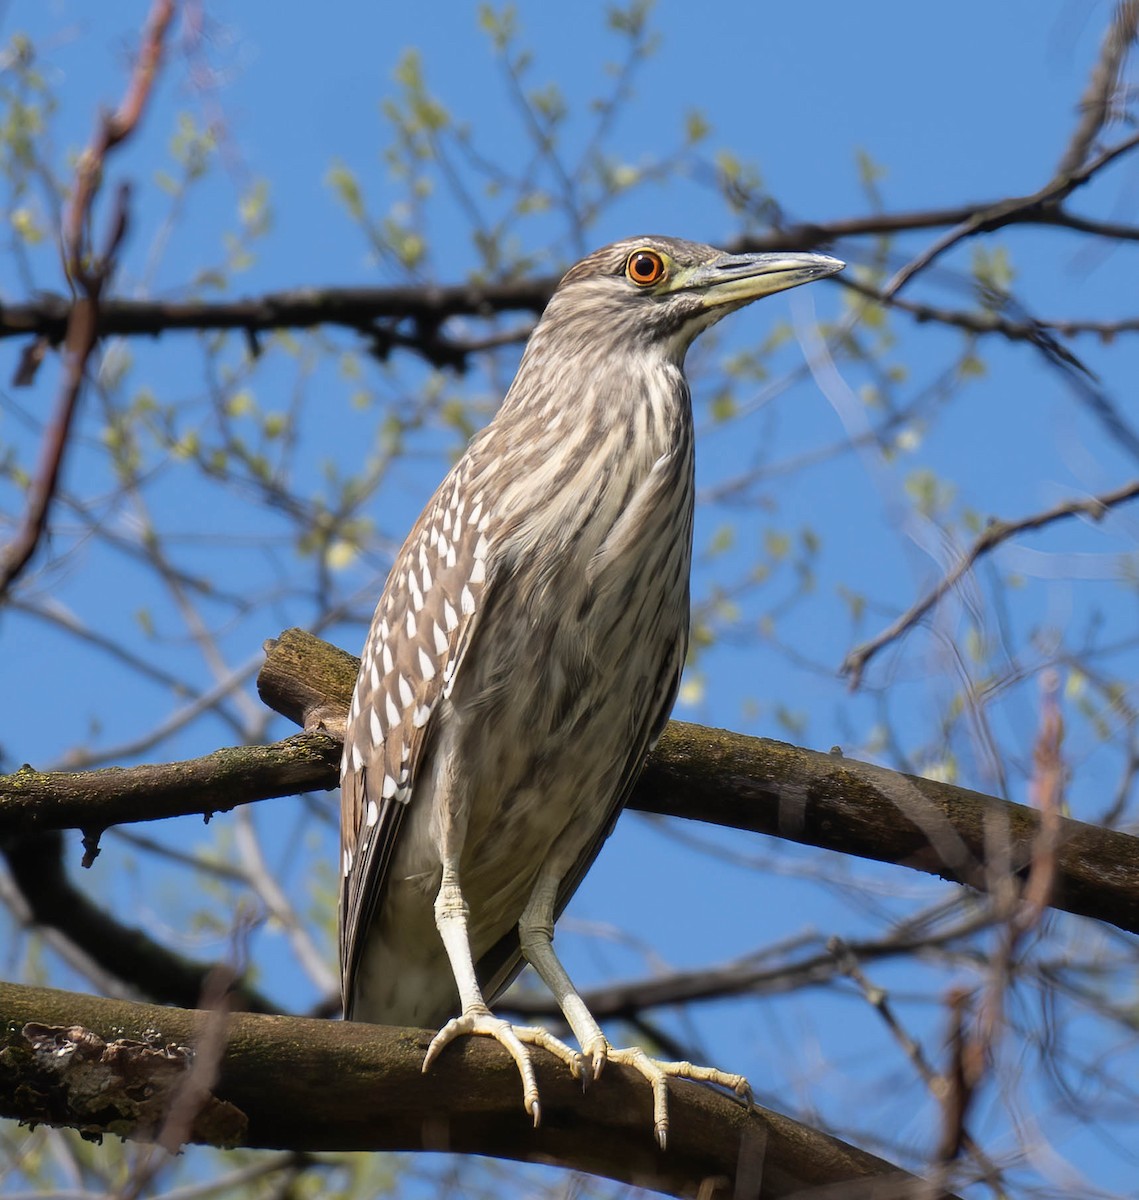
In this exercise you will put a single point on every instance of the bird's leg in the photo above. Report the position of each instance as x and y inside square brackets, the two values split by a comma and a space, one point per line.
[536, 933]
[451, 919]
[536, 938]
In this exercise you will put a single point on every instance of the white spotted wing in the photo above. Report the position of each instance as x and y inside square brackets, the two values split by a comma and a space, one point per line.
[422, 626]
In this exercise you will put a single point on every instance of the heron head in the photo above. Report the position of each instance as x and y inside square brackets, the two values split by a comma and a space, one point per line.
[662, 292]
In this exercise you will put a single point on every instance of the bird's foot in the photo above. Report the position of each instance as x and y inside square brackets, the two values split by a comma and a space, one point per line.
[515, 1039]
[657, 1073]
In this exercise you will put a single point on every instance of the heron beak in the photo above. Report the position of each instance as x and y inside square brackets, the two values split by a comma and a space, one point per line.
[739, 278]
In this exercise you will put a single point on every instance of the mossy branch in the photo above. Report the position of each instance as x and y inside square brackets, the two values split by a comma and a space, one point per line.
[702, 774]
[108, 1066]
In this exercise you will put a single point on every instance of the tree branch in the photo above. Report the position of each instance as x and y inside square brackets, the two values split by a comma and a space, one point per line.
[147, 967]
[95, 800]
[1103, 83]
[286, 1082]
[378, 313]
[1012, 211]
[701, 774]
[299, 308]
[983, 321]
[800, 795]
[89, 272]
[996, 532]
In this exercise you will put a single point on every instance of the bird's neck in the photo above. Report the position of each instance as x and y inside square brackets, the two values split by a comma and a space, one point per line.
[572, 449]
[582, 395]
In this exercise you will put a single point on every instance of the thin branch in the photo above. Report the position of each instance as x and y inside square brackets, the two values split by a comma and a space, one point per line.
[815, 966]
[1016, 209]
[79, 342]
[380, 314]
[281, 909]
[203, 702]
[89, 272]
[111, 131]
[986, 321]
[36, 864]
[1097, 100]
[996, 532]
[966, 1070]
[976, 1036]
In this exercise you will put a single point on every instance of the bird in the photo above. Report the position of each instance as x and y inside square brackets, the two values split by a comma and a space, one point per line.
[524, 657]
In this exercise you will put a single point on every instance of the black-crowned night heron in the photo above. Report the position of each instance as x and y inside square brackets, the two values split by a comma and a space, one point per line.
[524, 657]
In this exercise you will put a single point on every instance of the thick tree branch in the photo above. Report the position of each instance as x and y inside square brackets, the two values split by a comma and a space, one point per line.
[374, 312]
[800, 795]
[76, 1060]
[95, 800]
[856, 808]
[701, 774]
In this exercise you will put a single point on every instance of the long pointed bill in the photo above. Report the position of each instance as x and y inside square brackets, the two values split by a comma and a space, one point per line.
[738, 278]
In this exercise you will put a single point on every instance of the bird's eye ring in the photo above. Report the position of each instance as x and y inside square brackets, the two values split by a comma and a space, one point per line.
[644, 268]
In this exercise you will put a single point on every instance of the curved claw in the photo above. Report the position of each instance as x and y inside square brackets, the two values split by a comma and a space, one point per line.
[594, 1055]
[514, 1039]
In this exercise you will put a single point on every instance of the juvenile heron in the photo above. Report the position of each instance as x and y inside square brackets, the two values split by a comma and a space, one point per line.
[524, 657]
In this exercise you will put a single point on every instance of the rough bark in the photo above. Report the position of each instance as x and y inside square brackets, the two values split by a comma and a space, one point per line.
[800, 795]
[702, 774]
[288, 1082]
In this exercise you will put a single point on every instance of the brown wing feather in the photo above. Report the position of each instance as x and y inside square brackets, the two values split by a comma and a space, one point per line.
[422, 627]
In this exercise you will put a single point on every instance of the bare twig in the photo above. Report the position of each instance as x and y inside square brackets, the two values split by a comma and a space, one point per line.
[983, 321]
[879, 1000]
[1096, 102]
[995, 533]
[192, 1096]
[1026, 910]
[88, 272]
[110, 131]
[949, 1091]
[1016, 209]
[966, 1069]
[1047, 795]
[974, 1036]
[80, 341]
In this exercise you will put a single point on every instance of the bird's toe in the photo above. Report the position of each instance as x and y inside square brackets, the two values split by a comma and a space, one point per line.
[515, 1039]
[657, 1073]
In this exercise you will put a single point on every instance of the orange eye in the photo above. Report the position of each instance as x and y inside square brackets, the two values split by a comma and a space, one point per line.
[644, 268]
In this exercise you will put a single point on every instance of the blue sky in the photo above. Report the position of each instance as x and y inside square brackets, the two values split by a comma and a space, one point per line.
[955, 105]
